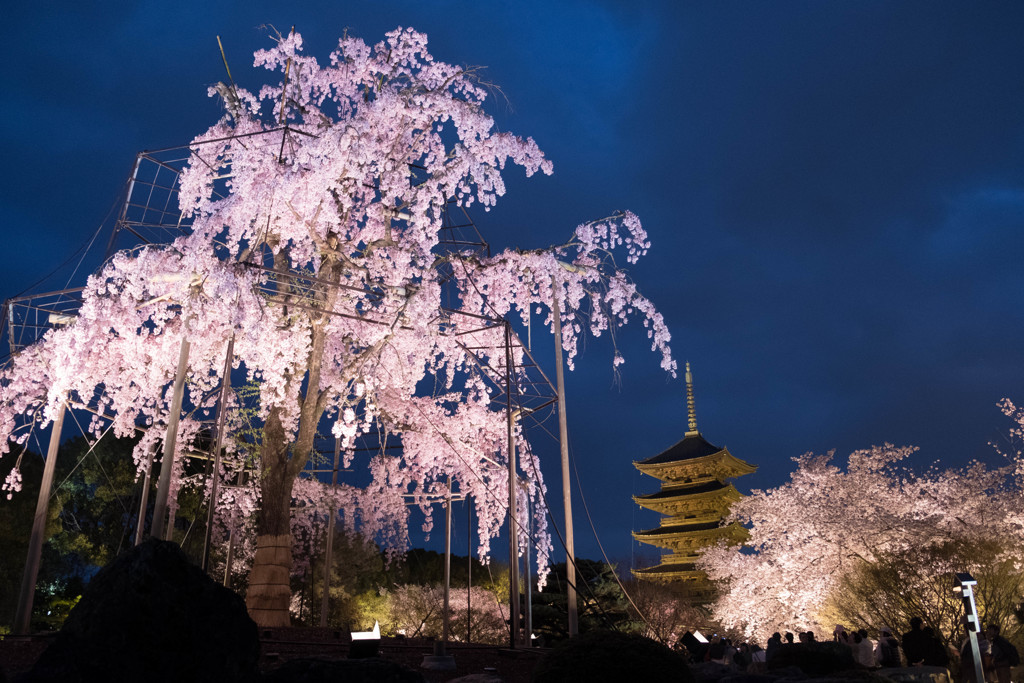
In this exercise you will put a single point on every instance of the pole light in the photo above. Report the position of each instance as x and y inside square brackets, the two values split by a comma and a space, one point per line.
[965, 587]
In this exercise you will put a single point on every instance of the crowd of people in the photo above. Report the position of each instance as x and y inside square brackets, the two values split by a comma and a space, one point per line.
[920, 646]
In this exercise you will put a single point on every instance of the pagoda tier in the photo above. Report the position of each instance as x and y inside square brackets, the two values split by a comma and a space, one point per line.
[678, 565]
[691, 503]
[691, 583]
[694, 460]
[682, 538]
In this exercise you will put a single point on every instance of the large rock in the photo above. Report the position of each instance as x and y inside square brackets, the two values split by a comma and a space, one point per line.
[710, 672]
[347, 670]
[151, 615]
[917, 674]
[816, 660]
[611, 656]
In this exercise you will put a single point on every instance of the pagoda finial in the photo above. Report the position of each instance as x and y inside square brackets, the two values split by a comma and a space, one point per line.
[691, 410]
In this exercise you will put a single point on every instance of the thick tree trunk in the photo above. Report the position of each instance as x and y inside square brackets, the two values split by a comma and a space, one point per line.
[269, 587]
[270, 592]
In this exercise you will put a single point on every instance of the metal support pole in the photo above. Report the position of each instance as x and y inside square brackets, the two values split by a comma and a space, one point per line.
[513, 531]
[23, 617]
[563, 439]
[140, 528]
[225, 389]
[447, 563]
[163, 488]
[326, 597]
[112, 242]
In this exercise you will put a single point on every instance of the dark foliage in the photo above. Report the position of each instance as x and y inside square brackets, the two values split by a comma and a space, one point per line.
[600, 601]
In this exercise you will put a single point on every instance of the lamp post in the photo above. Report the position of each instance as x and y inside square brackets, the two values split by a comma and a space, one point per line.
[965, 587]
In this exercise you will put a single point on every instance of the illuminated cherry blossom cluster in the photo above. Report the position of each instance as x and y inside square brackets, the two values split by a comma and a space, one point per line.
[807, 534]
[315, 209]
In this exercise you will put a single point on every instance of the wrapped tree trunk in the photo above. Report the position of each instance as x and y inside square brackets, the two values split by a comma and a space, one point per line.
[269, 593]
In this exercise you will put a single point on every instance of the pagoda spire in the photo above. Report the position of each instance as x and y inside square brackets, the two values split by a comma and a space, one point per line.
[691, 410]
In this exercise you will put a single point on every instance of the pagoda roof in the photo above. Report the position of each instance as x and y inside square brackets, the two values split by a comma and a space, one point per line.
[665, 568]
[692, 446]
[672, 492]
[680, 529]
[694, 457]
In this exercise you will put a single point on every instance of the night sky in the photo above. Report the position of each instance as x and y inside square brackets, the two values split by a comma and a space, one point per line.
[833, 191]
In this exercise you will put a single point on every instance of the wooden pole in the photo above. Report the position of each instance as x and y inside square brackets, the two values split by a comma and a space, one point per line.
[513, 535]
[23, 617]
[563, 439]
[231, 552]
[140, 528]
[326, 597]
[225, 389]
[447, 561]
[163, 489]
[528, 633]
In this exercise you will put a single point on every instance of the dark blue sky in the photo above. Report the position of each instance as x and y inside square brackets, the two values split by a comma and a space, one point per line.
[833, 191]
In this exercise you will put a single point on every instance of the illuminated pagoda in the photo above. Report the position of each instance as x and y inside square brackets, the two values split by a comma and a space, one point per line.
[694, 500]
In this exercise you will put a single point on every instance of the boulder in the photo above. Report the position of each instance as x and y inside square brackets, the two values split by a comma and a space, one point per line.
[917, 674]
[709, 672]
[347, 670]
[816, 660]
[151, 615]
[611, 656]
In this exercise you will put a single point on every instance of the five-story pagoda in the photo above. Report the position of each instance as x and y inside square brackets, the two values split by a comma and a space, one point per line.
[694, 500]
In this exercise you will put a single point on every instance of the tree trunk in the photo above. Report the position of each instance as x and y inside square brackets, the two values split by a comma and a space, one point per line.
[270, 592]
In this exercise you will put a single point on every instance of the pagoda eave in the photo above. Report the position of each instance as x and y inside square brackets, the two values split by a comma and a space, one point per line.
[721, 465]
[670, 573]
[674, 501]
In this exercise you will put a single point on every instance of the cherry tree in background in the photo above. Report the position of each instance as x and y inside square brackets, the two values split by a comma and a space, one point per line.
[1015, 452]
[813, 532]
[316, 209]
[416, 612]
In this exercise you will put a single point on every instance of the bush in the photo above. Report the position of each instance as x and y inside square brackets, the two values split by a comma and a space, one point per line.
[611, 656]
